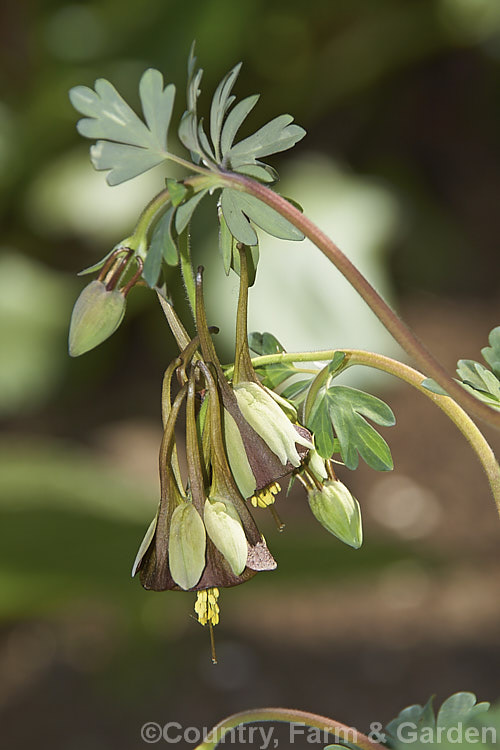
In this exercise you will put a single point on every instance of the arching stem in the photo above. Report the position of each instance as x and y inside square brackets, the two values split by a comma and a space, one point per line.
[399, 330]
[414, 378]
[342, 733]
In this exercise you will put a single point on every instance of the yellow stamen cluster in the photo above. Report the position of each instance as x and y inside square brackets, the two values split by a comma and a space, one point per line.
[266, 496]
[206, 606]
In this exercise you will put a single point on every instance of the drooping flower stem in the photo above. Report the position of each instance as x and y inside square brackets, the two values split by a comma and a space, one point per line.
[187, 270]
[166, 408]
[449, 406]
[243, 369]
[340, 731]
[157, 206]
[196, 483]
[399, 330]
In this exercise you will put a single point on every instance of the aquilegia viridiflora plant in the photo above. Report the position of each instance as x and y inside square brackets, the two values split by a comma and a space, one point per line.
[253, 423]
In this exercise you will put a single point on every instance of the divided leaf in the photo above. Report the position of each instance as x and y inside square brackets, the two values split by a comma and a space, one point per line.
[344, 409]
[460, 707]
[235, 120]
[277, 135]
[492, 353]
[417, 717]
[186, 210]
[221, 102]
[238, 208]
[162, 247]
[264, 343]
[418, 725]
[482, 383]
[191, 133]
[271, 375]
[126, 145]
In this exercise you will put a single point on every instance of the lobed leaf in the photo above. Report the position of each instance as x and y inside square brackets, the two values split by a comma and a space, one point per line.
[221, 103]
[460, 707]
[239, 207]
[264, 343]
[126, 145]
[491, 353]
[177, 191]
[226, 241]
[277, 135]
[152, 264]
[348, 407]
[320, 424]
[417, 716]
[237, 223]
[162, 246]
[234, 121]
[185, 211]
[344, 409]
[296, 391]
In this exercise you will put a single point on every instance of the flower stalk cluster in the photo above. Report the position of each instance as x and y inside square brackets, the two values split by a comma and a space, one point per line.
[240, 439]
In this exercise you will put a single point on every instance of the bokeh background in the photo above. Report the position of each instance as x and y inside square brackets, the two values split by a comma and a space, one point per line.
[401, 101]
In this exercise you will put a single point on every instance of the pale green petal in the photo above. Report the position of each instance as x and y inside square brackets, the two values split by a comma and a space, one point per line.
[270, 422]
[186, 546]
[316, 464]
[237, 457]
[226, 532]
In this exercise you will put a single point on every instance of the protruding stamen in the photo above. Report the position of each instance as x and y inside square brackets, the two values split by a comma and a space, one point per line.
[265, 497]
[206, 606]
[212, 643]
[279, 523]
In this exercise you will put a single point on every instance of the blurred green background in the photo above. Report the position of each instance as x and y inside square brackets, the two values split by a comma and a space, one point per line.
[401, 101]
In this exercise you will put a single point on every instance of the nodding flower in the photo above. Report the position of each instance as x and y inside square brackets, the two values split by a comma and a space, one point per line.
[203, 537]
[264, 442]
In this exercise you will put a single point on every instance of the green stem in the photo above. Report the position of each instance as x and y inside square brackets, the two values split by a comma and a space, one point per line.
[399, 330]
[414, 378]
[303, 718]
[187, 270]
[157, 206]
[189, 165]
[149, 216]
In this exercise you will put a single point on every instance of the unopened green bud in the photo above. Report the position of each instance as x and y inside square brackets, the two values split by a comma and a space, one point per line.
[96, 315]
[338, 511]
[270, 422]
[186, 546]
[226, 532]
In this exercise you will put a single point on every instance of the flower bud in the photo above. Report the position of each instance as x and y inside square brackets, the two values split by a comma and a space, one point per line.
[96, 315]
[338, 511]
[226, 532]
[270, 422]
[186, 546]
